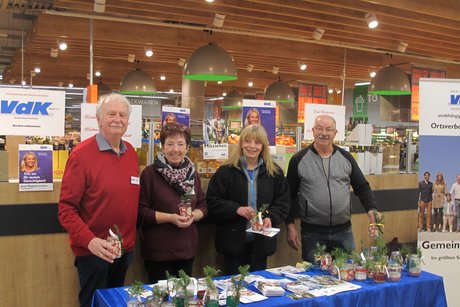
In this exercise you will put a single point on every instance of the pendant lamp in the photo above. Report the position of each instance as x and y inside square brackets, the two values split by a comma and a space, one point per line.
[279, 91]
[390, 80]
[103, 89]
[233, 100]
[210, 63]
[137, 82]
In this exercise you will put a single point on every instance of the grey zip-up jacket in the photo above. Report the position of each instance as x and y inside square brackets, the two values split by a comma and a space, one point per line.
[321, 197]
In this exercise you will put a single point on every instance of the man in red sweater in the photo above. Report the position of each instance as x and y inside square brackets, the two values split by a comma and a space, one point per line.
[100, 192]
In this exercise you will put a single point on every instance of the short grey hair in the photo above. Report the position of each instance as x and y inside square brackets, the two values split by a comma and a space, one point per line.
[112, 96]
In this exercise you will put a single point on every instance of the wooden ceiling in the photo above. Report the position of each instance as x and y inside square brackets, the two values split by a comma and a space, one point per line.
[263, 33]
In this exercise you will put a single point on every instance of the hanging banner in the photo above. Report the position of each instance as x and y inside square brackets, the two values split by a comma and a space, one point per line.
[439, 147]
[314, 110]
[262, 112]
[89, 126]
[35, 167]
[417, 73]
[360, 103]
[310, 93]
[173, 114]
[31, 112]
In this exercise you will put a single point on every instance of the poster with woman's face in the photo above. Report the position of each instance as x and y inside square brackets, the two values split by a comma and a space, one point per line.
[35, 167]
[261, 112]
[173, 114]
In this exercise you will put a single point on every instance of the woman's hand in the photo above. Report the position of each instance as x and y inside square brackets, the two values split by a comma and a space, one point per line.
[246, 212]
[180, 221]
[267, 223]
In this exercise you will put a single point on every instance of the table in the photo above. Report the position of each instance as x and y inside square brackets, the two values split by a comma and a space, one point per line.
[425, 290]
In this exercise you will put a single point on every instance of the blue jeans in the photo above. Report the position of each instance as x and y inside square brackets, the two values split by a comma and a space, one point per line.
[342, 239]
[95, 273]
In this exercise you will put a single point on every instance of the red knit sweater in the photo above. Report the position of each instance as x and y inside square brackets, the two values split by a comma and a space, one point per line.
[98, 192]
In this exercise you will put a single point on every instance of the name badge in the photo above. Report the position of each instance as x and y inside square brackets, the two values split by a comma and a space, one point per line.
[134, 180]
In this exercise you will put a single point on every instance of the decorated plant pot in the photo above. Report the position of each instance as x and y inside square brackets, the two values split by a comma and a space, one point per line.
[347, 272]
[116, 246]
[185, 209]
[380, 274]
[394, 272]
[256, 222]
[414, 265]
[326, 262]
[360, 273]
[374, 230]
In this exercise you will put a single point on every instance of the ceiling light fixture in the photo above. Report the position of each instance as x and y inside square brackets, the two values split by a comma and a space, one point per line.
[338, 91]
[372, 74]
[224, 94]
[62, 45]
[54, 52]
[250, 83]
[70, 84]
[249, 67]
[275, 70]
[99, 6]
[137, 82]
[210, 63]
[218, 20]
[402, 47]
[318, 33]
[131, 57]
[330, 91]
[23, 82]
[280, 92]
[97, 73]
[37, 69]
[181, 62]
[148, 52]
[210, 1]
[171, 90]
[219, 82]
[390, 80]
[372, 21]
[162, 77]
[302, 65]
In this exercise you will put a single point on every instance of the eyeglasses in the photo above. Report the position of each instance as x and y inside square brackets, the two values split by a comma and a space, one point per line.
[324, 130]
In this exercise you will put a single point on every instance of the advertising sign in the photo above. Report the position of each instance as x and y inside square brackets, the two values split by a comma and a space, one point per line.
[35, 167]
[31, 112]
[262, 112]
[89, 126]
[314, 110]
[173, 114]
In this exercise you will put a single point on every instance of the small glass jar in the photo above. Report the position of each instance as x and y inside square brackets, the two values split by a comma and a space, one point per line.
[326, 262]
[212, 298]
[380, 275]
[414, 265]
[394, 271]
[185, 209]
[396, 257]
[347, 272]
[233, 297]
[360, 273]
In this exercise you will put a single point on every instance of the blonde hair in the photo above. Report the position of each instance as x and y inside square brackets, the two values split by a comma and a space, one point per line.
[23, 167]
[254, 132]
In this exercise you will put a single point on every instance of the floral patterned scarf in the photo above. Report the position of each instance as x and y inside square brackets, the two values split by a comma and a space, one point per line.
[181, 178]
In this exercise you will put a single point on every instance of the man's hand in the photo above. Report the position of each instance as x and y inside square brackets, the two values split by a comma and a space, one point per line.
[267, 223]
[292, 236]
[246, 212]
[372, 214]
[102, 249]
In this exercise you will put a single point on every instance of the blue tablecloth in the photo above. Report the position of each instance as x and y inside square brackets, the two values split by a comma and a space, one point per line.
[425, 290]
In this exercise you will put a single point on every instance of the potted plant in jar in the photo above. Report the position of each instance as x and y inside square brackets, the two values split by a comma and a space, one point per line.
[376, 229]
[135, 292]
[212, 294]
[233, 293]
[256, 219]
[178, 286]
[158, 296]
[185, 206]
[380, 258]
[414, 263]
[360, 265]
[341, 268]
[323, 258]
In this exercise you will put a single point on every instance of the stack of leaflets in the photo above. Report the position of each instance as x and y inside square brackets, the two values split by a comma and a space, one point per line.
[288, 269]
[268, 288]
[269, 232]
[320, 285]
[247, 296]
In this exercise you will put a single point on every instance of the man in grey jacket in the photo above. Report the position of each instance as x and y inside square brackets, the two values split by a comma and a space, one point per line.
[319, 177]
